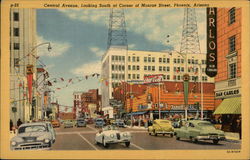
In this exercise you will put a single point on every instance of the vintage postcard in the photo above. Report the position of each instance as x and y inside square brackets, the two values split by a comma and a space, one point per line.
[125, 79]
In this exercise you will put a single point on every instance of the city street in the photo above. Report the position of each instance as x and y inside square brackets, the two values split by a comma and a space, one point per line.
[83, 139]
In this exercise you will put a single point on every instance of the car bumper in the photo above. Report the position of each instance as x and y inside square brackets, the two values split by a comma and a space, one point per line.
[211, 137]
[164, 132]
[31, 147]
[118, 141]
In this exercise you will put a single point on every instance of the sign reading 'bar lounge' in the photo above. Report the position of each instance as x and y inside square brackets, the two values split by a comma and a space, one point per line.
[211, 68]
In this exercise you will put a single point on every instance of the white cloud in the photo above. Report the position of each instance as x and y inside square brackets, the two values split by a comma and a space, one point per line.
[58, 48]
[97, 51]
[88, 68]
[154, 24]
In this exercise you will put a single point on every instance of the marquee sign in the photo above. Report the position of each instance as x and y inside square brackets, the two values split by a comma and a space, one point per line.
[211, 68]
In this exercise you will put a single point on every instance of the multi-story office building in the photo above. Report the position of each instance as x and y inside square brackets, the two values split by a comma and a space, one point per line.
[121, 65]
[22, 41]
[77, 103]
[228, 79]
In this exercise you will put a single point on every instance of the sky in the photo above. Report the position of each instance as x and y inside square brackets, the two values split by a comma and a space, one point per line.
[79, 38]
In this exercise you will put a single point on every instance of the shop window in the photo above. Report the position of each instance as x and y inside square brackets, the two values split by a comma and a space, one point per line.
[232, 44]
[232, 70]
[231, 15]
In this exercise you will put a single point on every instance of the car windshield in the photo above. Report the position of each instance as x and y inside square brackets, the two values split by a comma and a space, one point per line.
[206, 125]
[110, 128]
[33, 128]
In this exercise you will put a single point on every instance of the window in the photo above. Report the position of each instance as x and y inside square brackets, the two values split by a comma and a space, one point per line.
[164, 76]
[113, 76]
[149, 68]
[129, 67]
[160, 59]
[145, 59]
[153, 68]
[113, 67]
[16, 31]
[16, 46]
[138, 76]
[168, 69]
[192, 61]
[138, 59]
[168, 77]
[145, 68]
[196, 61]
[16, 16]
[232, 44]
[203, 61]
[232, 70]
[120, 67]
[167, 60]
[129, 76]
[174, 60]
[16, 62]
[123, 58]
[133, 76]
[120, 58]
[149, 59]
[160, 68]
[123, 68]
[179, 77]
[182, 60]
[123, 76]
[133, 67]
[133, 59]
[129, 59]
[164, 68]
[231, 15]
[182, 69]
[113, 58]
[138, 68]
[178, 60]
[153, 59]
[116, 58]
[164, 60]
[189, 61]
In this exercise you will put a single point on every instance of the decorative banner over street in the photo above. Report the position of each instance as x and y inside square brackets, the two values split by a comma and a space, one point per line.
[211, 69]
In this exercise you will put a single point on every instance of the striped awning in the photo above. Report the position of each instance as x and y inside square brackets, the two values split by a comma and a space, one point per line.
[229, 106]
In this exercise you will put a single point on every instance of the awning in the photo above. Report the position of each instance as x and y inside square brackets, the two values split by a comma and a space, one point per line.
[136, 113]
[229, 106]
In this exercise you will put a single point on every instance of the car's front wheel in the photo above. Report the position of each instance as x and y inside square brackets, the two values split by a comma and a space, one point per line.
[127, 144]
[215, 141]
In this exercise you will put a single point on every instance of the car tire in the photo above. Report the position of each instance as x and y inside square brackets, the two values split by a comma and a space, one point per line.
[155, 134]
[215, 141]
[171, 135]
[194, 140]
[177, 138]
[127, 144]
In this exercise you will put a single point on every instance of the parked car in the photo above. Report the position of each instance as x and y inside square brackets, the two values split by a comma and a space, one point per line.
[81, 122]
[68, 124]
[35, 135]
[161, 126]
[110, 135]
[119, 124]
[99, 122]
[196, 130]
[55, 123]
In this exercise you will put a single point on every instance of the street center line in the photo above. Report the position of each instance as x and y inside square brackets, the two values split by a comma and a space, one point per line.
[136, 146]
[87, 141]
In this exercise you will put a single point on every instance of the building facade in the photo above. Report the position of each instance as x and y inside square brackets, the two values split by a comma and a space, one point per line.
[77, 103]
[121, 65]
[228, 79]
[22, 40]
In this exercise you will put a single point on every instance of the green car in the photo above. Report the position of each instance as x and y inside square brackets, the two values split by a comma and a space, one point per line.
[196, 130]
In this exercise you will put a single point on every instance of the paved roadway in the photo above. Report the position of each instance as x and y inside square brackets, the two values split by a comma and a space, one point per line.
[83, 139]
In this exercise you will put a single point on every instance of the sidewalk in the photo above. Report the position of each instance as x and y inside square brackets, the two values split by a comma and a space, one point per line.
[232, 136]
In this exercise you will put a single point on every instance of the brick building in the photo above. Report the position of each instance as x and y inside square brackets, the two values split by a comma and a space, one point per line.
[228, 79]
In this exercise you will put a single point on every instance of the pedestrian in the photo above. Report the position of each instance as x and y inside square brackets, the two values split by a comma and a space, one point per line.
[11, 125]
[19, 122]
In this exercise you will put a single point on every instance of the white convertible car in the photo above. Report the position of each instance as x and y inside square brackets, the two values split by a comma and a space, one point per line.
[110, 134]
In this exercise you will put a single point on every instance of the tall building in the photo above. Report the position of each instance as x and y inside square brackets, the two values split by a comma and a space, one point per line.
[120, 66]
[77, 103]
[22, 41]
[228, 79]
